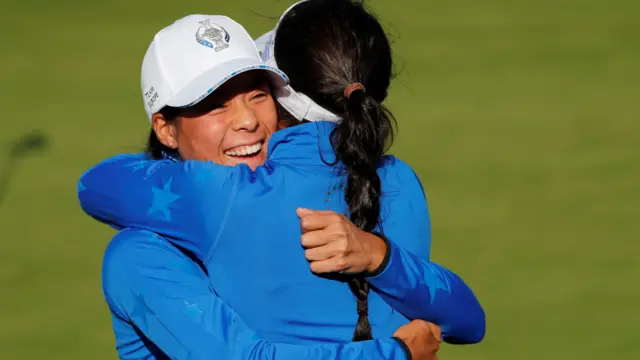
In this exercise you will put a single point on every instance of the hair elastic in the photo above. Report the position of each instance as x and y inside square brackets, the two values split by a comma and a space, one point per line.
[353, 87]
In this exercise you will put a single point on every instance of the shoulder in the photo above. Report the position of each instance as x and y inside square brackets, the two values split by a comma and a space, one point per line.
[397, 176]
[128, 244]
[124, 253]
[202, 174]
[134, 254]
[139, 260]
[404, 211]
[117, 265]
[211, 168]
[392, 166]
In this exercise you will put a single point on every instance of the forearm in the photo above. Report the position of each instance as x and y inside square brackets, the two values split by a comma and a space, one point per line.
[173, 199]
[168, 299]
[420, 289]
[216, 330]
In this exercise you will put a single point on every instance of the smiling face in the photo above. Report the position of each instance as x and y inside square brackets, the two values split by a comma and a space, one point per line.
[230, 127]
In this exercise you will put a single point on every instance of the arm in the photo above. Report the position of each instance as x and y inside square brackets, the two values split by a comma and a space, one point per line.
[155, 286]
[408, 281]
[421, 289]
[166, 196]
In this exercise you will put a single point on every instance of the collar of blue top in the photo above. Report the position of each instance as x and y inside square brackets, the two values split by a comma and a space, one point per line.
[308, 143]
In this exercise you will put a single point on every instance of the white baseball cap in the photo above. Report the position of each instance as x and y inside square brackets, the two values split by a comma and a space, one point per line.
[296, 103]
[195, 55]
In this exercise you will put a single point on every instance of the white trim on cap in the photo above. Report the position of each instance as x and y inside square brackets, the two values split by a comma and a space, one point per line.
[297, 103]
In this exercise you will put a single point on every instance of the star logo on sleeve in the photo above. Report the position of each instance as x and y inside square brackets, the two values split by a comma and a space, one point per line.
[162, 200]
[437, 279]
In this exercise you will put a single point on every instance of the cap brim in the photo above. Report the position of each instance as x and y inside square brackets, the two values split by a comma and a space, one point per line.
[210, 80]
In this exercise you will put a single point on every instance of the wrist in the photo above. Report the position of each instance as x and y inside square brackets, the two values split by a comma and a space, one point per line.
[380, 253]
[404, 346]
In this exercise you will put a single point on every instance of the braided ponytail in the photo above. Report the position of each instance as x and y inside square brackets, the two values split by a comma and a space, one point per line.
[360, 140]
[337, 53]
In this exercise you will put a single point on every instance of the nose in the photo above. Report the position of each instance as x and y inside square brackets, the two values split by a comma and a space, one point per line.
[245, 119]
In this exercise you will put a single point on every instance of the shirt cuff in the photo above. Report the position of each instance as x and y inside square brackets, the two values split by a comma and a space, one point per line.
[404, 346]
[385, 261]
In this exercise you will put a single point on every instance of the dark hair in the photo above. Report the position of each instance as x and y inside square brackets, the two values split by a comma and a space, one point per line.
[325, 46]
[156, 149]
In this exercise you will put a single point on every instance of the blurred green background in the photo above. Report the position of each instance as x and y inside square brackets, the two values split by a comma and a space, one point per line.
[521, 117]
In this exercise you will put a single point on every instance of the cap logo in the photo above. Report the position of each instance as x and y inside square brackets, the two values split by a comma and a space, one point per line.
[212, 35]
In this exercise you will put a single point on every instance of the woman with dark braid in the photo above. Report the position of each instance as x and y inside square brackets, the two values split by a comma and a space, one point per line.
[326, 198]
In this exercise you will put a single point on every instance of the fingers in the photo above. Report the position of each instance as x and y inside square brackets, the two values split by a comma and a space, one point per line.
[333, 233]
[336, 248]
[325, 236]
[435, 330]
[332, 265]
[315, 221]
[304, 211]
[316, 238]
[311, 220]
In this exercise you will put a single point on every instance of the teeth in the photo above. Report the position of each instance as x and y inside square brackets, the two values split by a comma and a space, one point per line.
[244, 150]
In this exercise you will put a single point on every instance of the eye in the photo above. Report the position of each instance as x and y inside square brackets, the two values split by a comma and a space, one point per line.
[259, 95]
[217, 109]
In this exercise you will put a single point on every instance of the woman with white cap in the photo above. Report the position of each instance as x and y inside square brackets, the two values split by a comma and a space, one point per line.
[160, 297]
[209, 235]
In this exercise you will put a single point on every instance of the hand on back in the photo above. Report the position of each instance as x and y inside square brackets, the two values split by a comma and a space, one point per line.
[333, 244]
[423, 339]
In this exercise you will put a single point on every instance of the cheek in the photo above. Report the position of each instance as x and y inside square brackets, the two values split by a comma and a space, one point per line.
[202, 137]
[268, 115]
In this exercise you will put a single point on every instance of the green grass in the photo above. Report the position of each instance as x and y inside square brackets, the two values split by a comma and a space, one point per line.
[521, 118]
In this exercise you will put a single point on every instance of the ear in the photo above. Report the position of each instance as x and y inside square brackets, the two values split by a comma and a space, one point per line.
[165, 131]
[288, 122]
[283, 124]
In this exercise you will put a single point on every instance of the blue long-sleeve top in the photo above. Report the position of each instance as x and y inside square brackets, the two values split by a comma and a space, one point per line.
[242, 225]
[162, 307]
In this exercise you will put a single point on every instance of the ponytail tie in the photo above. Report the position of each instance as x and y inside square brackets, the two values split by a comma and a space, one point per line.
[353, 87]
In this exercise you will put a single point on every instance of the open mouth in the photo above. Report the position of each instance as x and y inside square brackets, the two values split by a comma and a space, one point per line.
[245, 151]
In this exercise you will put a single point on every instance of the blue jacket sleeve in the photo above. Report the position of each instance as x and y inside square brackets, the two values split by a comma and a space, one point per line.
[408, 281]
[166, 196]
[157, 288]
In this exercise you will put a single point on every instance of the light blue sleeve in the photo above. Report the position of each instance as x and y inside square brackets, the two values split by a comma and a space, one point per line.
[166, 196]
[168, 299]
[407, 280]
